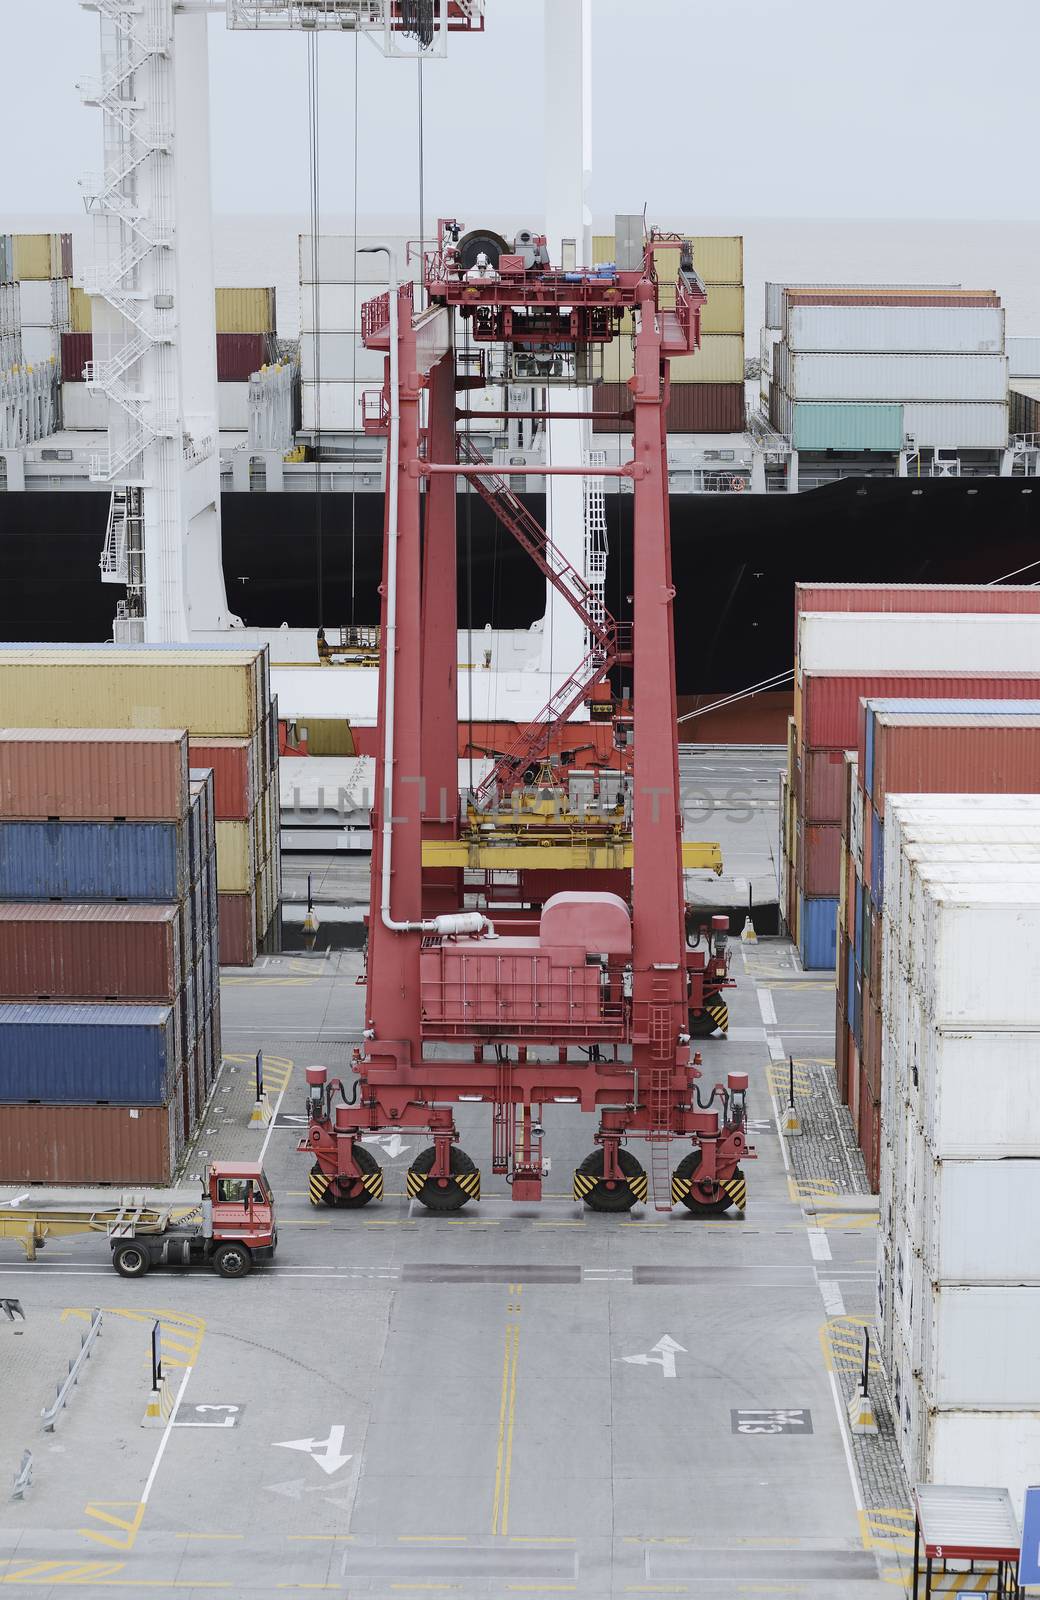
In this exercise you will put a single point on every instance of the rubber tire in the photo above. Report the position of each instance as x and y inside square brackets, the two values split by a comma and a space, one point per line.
[431, 1195]
[351, 1202]
[701, 1027]
[718, 1207]
[232, 1260]
[601, 1198]
[123, 1252]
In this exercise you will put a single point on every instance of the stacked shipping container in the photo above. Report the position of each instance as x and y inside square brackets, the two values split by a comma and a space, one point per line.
[864, 368]
[852, 641]
[222, 695]
[10, 308]
[958, 1278]
[906, 745]
[707, 393]
[108, 953]
[246, 329]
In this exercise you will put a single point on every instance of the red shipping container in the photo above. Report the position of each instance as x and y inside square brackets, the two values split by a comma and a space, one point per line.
[892, 297]
[823, 786]
[870, 1061]
[917, 755]
[90, 1144]
[93, 774]
[868, 849]
[831, 716]
[52, 951]
[819, 859]
[237, 916]
[239, 355]
[76, 350]
[853, 1086]
[232, 762]
[841, 1052]
[692, 408]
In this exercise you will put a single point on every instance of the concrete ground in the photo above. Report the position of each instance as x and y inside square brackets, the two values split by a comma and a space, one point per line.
[506, 1401]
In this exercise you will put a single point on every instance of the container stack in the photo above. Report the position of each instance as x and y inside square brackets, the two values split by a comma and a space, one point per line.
[1024, 385]
[10, 308]
[907, 745]
[858, 641]
[245, 322]
[863, 368]
[222, 695]
[335, 367]
[41, 265]
[707, 394]
[958, 1274]
[109, 1008]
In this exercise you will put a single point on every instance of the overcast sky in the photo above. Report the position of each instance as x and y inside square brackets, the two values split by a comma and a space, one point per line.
[726, 108]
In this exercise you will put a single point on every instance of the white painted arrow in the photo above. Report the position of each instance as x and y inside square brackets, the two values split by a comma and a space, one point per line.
[327, 1453]
[391, 1143]
[666, 1349]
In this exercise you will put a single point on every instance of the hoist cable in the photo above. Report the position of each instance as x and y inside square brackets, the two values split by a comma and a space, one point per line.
[314, 178]
[353, 369]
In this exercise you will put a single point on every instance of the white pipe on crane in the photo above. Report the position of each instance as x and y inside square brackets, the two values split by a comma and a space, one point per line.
[453, 922]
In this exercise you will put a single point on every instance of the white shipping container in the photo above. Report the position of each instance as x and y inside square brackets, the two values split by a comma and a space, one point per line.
[982, 1098]
[331, 307]
[10, 308]
[897, 377]
[925, 642]
[982, 954]
[82, 410]
[963, 330]
[340, 358]
[949, 425]
[977, 1221]
[337, 261]
[39, 345]
[936, 853]
[979, 1346]
[233, 407]
[1024, 357]
[335, 406]
[44, 303]
[994, 1449]
[915, 909]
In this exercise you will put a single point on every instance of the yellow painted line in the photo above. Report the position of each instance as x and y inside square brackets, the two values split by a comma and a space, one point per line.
[309, 1586]
[392, 1222]
[473, 1222]
[319, 1538]
[64, 1572]
[210, 1535]
[128, 1526]
[574, 1224]
[432, 1538]
[410, 1586]
[305, 1222]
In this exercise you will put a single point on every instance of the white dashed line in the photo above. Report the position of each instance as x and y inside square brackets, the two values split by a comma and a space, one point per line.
[767, 1008]
[818, 1244]
[833, 1303]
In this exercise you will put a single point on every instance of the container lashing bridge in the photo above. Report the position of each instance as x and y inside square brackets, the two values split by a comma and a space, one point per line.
[586, 987]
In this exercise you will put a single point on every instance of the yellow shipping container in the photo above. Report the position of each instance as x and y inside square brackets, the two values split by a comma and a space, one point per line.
[603, 248]
[236, 857]
[216, 692]
[724, 311]
[245, 310]
[81, 311]
[720, 359]
[719, 258]
[35, 256]
[618, 366]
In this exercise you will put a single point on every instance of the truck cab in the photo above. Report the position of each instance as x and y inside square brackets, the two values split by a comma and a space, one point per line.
[232, 1227]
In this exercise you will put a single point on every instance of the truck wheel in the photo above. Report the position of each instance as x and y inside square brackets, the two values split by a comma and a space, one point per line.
[232, 1260]
[130, 1260]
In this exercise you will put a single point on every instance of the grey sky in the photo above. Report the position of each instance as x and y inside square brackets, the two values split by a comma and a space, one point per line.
[726, 108]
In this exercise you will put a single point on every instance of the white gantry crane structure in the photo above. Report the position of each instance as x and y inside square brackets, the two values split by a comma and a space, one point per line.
[152, 282]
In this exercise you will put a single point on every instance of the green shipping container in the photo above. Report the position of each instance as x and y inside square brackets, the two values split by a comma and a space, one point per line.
[846, 427]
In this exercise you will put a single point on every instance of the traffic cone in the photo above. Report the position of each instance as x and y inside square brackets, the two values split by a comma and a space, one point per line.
[747, 932]
[260, 1117]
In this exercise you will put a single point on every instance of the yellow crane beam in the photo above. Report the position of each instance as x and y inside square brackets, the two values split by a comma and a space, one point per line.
[512, 855]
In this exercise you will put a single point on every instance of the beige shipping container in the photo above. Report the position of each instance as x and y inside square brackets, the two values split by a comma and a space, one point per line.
[720, 359]
[719, 258]
[236, 857]
[37, 256]
[81, 311]
[724, 311]
[245, 310]
[207, 693]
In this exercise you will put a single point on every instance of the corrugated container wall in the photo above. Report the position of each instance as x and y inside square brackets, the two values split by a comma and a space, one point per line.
[98, 774]
[921, 597]
[245, 310]
[964, 425]
[70, 1055]
[93, 860]
[81, 310]
[241, 354]
[237, 930]
[833, 642]
[208, 692]
[235, 775]
[1024, 357]
[76, 350]
[897, 377]
[817, 932]
[89, 1144]
[934, 755]
[41, 256]
[966, 330]
[692, 408]
[90, 952]
[846, 426]
[724, 311]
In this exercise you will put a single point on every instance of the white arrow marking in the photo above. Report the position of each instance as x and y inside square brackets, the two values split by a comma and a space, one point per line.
[391, 1143]
[665, 1358]
[327, 1453]
[293, 1489]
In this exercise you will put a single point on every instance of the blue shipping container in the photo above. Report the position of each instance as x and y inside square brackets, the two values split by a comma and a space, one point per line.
[868, 763]
[846, 425]
[818, 932]
[82, 1055]
[93, 860]
[877, 861]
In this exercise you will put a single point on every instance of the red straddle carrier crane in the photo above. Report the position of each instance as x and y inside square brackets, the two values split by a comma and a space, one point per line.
[587, 995]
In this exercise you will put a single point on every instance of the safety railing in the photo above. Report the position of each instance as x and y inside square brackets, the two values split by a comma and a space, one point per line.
[61, 1399]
